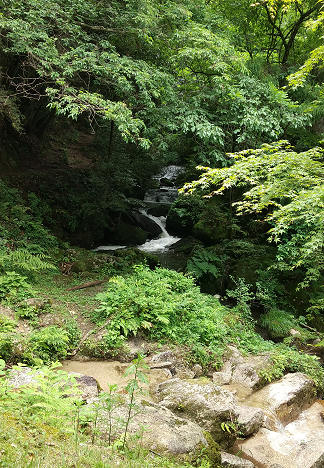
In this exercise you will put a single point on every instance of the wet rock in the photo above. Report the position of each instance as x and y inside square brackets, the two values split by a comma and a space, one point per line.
[287, 397]
[164, 181]
[159, 210]
[143, 222]
[299, 445]
[87, 385]
[232, 461]
[167, 434]
[249, 419]
[202, 402]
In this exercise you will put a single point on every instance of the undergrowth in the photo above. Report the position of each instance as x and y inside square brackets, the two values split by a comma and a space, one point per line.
[45, 425]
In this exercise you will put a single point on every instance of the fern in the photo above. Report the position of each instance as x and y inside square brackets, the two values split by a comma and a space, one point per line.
[278, 323]
[23, 260]
[202, 263]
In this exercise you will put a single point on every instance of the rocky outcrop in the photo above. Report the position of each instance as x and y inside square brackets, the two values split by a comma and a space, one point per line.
[249, 419]
[203, 402]
[143, 222]
[87, 386]
[239, 369]
[165, 432]
[299, 445]
[287, 398]
[126, 234]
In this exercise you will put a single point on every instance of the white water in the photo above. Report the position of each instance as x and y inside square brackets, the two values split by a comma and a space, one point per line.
[163, 241]
[109, 247]
[162, 195]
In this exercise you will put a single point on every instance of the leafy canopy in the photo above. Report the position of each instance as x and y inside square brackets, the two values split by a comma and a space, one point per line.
[284, 188]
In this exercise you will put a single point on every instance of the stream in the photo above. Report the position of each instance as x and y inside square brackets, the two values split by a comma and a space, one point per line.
[164, 195]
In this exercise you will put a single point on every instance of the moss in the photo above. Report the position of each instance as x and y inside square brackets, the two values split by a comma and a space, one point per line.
[210, 453]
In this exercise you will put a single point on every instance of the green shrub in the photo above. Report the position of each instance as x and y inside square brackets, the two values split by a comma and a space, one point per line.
[161, 304]
[10, 341]
[284, 360]
[48, 344]
[14, 287]
[278, 323]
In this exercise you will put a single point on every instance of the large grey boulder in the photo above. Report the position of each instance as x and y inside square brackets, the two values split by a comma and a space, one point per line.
[299, 445]
[164, 433]
[22, 376]
[87, 386]
[286, 398]
[203, 402]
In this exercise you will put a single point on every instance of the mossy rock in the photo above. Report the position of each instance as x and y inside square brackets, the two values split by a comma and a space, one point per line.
[90, 264]
[126, 234]
[214, 225]
[210, 453]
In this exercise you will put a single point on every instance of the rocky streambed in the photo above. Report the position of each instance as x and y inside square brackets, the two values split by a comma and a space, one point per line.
[278, 426]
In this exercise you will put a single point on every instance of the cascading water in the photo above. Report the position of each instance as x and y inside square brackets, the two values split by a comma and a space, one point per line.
[163, 241]
[165, 194]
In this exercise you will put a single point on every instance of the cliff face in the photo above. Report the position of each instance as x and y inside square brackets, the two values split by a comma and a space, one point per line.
[76, 181]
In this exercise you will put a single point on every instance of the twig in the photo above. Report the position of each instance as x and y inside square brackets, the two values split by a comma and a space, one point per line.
[155, 453]
[86, 285]
[310, 328]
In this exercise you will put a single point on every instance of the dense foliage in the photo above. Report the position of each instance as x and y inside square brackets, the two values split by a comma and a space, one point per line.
[285, 189]
[164, 75]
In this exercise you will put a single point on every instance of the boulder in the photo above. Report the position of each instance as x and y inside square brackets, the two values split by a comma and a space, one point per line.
[249, 419]
[165, 182]
[159, 210]
[243, 370]
[222, 378]
[144, 222]
[126, 234]
[232, 461]
[198, 370]
[286, 398]
[165, 432]
[204, 403]
[299, 445]
[87, 386]
[93, 263]
[22, 376]
[164, 356]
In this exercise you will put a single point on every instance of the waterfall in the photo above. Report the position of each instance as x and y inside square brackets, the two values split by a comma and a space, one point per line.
[164, 195]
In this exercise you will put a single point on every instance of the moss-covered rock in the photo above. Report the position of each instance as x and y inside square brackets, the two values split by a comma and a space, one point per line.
[204, 403]
[126, 234]
[210, 453]
[214, 225]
